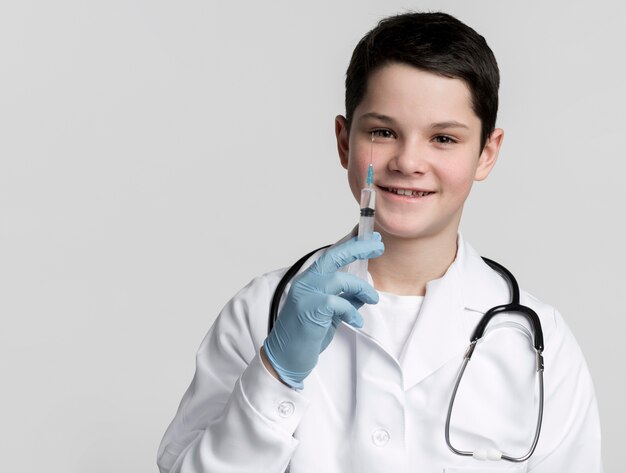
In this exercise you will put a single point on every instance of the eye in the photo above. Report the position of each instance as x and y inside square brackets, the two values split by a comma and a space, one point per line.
[444, 140]
[382, 133]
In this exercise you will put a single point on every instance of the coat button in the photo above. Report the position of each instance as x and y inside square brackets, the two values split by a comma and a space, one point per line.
[380, 437]
[285, 409]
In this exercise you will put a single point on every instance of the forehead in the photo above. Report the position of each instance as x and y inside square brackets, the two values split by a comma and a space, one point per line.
[414, 95]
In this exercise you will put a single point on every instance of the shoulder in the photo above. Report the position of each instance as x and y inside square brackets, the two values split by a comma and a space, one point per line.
[259, 288]
[551, 321]
[560, 344]
[241, 324]
[250, 306]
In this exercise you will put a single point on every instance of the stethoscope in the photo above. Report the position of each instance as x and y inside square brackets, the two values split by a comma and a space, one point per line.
[512, 307]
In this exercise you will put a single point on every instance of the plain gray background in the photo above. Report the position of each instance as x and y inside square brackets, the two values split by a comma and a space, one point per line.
[156, 156]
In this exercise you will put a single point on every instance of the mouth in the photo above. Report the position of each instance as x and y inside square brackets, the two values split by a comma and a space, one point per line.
[407, 192]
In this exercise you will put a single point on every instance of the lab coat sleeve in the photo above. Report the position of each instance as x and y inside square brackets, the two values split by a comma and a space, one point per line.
[570, 437]
[235, 416]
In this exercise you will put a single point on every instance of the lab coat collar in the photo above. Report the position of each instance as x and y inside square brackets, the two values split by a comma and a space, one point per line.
[481, 287]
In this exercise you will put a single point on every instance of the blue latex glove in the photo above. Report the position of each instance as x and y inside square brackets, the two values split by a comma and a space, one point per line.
[318, 300]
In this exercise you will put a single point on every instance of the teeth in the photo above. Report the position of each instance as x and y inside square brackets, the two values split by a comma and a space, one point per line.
[408, 192]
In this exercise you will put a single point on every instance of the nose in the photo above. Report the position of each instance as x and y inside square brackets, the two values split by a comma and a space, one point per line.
[409, 158]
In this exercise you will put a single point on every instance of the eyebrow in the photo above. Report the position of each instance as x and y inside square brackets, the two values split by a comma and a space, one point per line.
[378, 116]
[435, 126]
[448, 124]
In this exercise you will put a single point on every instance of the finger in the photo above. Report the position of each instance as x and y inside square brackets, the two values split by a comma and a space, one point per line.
[349, 286]
[345, 253]
[330, 333]
[341, 309]
[351, 317]
[356, 303]
[331, 309]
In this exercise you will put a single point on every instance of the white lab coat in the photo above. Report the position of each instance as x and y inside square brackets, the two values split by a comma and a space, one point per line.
[362, 410]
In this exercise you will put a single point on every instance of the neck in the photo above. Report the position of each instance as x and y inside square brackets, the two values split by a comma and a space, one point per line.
[407, 265]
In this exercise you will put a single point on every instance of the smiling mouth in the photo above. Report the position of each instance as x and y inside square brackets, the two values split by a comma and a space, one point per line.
[407, 192]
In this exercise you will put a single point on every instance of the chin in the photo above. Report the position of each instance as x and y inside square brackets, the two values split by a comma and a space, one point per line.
[409, 232]
[413, 230]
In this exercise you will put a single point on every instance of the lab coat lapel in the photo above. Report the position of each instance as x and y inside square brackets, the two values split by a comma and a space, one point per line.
[452, 307]
[439, 333]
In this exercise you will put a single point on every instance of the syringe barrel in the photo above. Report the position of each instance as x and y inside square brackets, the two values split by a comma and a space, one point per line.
[366, 228]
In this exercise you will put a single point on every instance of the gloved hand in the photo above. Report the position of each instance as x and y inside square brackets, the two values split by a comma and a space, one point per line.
[318, 300]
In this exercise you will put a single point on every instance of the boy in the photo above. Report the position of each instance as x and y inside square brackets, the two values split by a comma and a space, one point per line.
[371, 394]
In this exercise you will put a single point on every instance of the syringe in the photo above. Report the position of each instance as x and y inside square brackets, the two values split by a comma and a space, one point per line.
[368, 206]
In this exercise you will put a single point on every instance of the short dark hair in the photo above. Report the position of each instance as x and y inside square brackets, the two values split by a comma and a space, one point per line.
[433, 42]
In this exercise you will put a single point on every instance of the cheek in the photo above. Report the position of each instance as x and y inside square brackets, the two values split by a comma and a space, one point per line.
[458, 179]
[354, 176]
[357, 166]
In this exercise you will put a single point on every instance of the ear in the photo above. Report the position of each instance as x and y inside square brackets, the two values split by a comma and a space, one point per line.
[343, 145]
[489, 155]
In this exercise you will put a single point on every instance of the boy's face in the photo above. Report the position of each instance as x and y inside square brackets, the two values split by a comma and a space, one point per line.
[426, 140]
